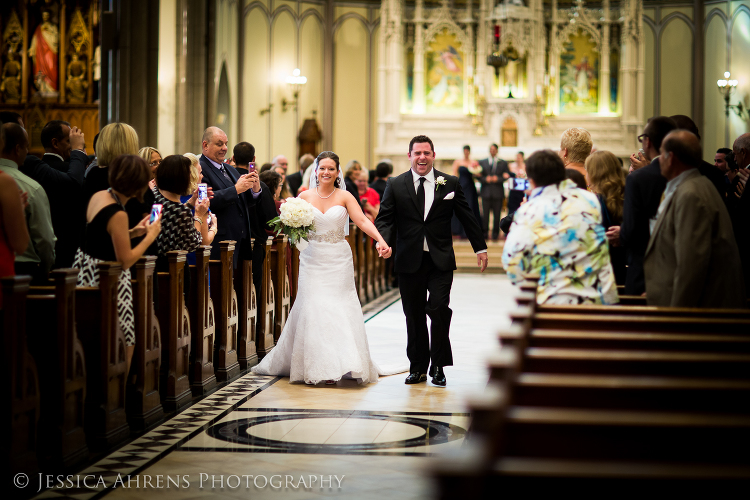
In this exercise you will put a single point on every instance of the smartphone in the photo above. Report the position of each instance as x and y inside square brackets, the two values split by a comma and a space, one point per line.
[202, 192]
[155, 212]
[250, 167]
[520, 184]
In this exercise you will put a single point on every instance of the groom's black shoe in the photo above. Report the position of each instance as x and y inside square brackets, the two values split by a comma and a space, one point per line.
[438, 377]
[416, 377]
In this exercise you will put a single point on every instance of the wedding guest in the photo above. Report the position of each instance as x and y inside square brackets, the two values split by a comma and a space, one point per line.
[575, 147]
[706, 169]
[14, 235]
[285, 191]
[11, 117]
[115, 139]
[465, 169]
[518, 171]
[39, 256]
[281, 161]
[494, 173]
[273, 181]
[265, 166]
[294, 181]
[352, 167]
[382, 172]
[61, 173]
[369, 198]
[557, 236]
[738, 202]
[107, 237]
[152, 156]
[244, 156]
[606, 180]
[720, 162]
[576, 176]
[181, 230]
[643, 190]
[190, 200]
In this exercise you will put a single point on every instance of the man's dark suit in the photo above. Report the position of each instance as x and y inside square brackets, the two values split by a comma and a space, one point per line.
[492, 193]
[716, 176]
[231, 209]
[379, 186]
[63, 183]
[739, 213]
[295, 181]
[643, 190]
[404, 227]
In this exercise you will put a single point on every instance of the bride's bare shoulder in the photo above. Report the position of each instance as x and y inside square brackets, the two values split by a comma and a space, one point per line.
[305, 195]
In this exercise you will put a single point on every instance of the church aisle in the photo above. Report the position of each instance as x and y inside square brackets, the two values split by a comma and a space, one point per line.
[262, 437]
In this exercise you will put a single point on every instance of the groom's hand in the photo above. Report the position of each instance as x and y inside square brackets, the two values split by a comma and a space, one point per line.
[482, 261]
[384, 252]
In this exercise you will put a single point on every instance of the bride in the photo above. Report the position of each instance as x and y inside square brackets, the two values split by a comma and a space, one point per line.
[324, 338]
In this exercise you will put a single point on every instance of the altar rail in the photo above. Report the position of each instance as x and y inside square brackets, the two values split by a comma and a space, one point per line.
[66, 354]
[617, 398]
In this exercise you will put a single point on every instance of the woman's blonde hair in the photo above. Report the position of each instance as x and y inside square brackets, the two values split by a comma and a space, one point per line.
[195, 179]
[578, 143]
[607, 178]
[145, 153]
[116, 139]
[351, 167]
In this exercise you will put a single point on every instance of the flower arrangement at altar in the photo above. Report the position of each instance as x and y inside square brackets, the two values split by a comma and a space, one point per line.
[296, 220]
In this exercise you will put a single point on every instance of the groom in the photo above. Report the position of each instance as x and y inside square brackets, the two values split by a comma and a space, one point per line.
[415, 218]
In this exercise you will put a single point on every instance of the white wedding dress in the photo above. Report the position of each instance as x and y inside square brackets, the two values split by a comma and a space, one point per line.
[324, 337]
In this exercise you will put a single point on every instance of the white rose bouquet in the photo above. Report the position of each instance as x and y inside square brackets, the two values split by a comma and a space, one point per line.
[296, 220]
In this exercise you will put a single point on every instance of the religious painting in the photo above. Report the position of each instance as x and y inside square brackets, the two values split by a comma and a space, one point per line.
[579, 75]
[444, 75]
[43, 50]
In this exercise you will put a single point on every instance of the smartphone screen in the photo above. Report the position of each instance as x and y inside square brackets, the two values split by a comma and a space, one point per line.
[155, 212]
[520, 184]
[202, 192]
[250, 167]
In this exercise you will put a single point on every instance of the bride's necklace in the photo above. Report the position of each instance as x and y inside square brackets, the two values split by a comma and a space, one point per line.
[317, 191]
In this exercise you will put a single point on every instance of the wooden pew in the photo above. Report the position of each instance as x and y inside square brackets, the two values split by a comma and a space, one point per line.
[203, 325]
[61, 364]
[22, 376]
[142, 398]
[282, 297]
[266, 307]
[247, 349]
[175, 334]
[103, 342]
[226, 365]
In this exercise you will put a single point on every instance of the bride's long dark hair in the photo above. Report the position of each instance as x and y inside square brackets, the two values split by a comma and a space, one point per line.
[333, 156]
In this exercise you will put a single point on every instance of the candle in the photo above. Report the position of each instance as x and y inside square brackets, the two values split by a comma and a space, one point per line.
[497, 33]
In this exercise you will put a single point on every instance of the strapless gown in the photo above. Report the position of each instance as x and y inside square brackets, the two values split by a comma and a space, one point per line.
[324, 337]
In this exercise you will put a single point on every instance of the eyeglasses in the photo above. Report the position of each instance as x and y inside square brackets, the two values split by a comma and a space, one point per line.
[155, 163]
[641, 137]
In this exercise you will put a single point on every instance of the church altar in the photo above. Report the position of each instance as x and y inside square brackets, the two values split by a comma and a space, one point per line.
[516, 73]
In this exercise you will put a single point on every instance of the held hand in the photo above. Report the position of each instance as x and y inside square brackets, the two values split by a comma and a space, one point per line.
[740, 190]
[743, 174]
[255, 180]
[76, 138]
[637, 162]
[140, 228]
[384, 251]
[153, 228]
[243, 183]
[201, 209]
[193, 199]
[482, 261]
[613, 235]
[506, 175]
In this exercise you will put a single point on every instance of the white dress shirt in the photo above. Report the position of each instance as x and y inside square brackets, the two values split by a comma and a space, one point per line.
[429, 196]
[429, 193]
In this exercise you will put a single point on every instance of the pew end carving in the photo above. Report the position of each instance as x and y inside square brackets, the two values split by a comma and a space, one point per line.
[175, 334]
[280, 279]
[247, 353]
[266, 307]
[226, 365]
[203, 325]
[143, 400]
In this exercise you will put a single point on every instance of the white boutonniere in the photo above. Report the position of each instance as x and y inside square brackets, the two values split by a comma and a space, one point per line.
[440, 181]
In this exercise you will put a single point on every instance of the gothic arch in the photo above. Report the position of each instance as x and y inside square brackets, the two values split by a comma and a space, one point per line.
[573, 28]
[452, 27]
[676, 15]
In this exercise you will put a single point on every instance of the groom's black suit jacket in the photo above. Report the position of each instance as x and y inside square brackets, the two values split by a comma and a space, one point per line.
[404, 227]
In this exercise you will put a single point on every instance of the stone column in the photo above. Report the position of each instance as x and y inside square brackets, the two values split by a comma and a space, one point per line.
[418, 104]
[382, 72]
[481, 64]
[554, 62]
[604, 62]
[468, 60]
[395, 48]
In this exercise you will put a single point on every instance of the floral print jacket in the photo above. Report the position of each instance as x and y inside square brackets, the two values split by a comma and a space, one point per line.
[558, 236]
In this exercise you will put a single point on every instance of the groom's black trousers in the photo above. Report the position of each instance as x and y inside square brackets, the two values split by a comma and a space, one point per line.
[420, 349]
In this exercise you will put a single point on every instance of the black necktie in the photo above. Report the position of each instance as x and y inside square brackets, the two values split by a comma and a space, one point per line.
[226, 175]
[420, 194]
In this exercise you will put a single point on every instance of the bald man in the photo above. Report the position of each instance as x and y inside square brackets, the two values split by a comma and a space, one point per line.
[691, 259]
[233, 195]
[738, 203]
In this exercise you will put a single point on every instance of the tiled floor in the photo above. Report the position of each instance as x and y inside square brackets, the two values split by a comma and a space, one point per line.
[262, 437]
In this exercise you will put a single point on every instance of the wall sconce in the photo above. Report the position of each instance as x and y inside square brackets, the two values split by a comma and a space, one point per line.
[295, 82]
[728, 87]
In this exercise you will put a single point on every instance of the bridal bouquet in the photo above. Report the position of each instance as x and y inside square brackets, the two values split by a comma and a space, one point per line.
[296, 220]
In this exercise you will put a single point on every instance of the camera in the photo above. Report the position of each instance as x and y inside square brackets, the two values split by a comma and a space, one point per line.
[520, 184]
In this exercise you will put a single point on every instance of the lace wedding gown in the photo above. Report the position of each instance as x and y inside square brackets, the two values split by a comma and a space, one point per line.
[324, 337]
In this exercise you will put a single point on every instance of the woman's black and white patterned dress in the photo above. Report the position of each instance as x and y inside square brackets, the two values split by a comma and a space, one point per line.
[177, 230]
[98, 247]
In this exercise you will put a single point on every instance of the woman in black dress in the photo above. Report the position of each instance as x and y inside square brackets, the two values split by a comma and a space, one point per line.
[465, 169]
